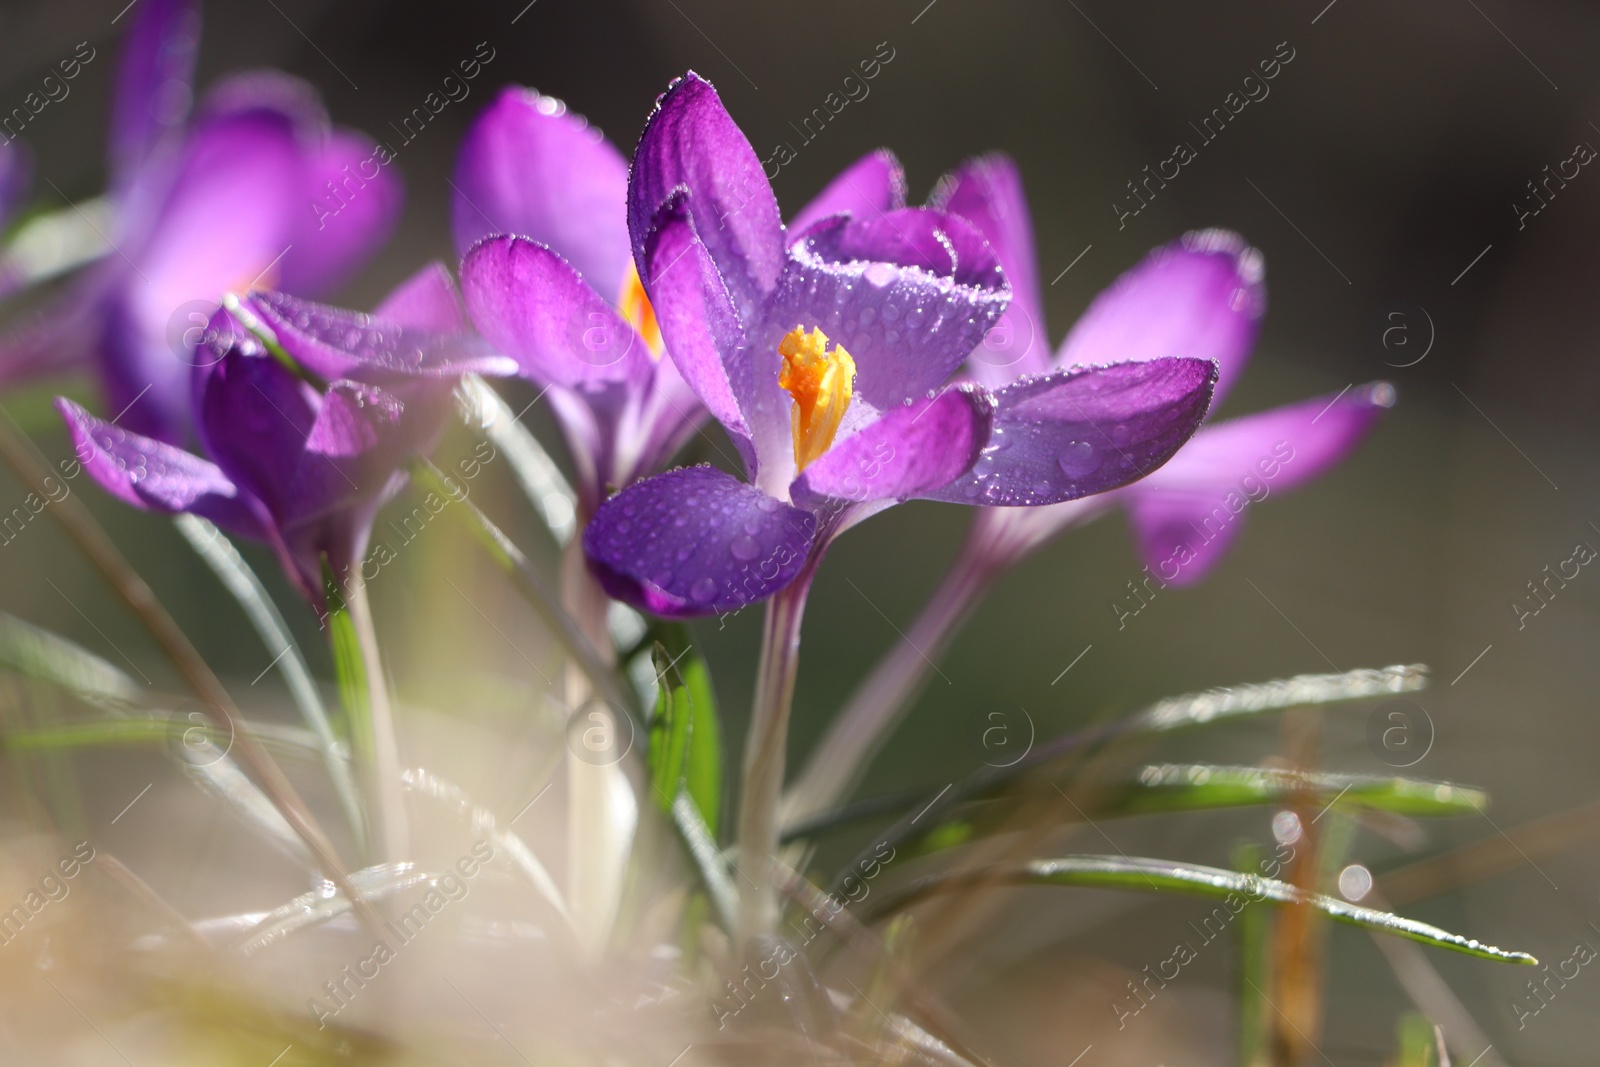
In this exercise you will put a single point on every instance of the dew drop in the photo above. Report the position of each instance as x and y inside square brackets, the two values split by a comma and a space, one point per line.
[1078, 458]
[879, 274]
[703, 590]
[744, 548]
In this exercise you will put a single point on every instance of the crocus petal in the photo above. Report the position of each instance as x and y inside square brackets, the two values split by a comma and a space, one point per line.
[223, 223]
[1185, 515]
[155, 476]
[425, 301]
[334, 343]
[531, 168]
[1201, 296]
[154, 81]
[909, 294]
[691, 141]
[253, 417]
[532, 305]
[914, 450]
[696, 541]
[872, 185]
[352, 454]
[16, 173]
[698, 321]
[1084, 430]
[350, 204]
[987, 192]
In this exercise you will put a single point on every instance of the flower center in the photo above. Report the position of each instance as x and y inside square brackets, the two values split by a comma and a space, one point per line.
[821, 383]
[635, 307]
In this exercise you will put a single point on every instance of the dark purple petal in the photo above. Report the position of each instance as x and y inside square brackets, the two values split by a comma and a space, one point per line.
[254, 416]
[1185, 515]
[154, 87]
[353, 453]
[870, 186]
[349, 205]
[914, 450]
[529, 167]
[698, 321]
[696, 541]
[987, 192]
[335, 343]
[1200, 297]
[1084, 430]
[908, 294]
[425, 301]
[272, 92]
[532, 305]
[691, 141]
[158, 477]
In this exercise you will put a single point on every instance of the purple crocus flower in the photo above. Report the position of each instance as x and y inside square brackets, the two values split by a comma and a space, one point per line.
[256, 189]
[826, 356]
[300, 457]
[540, 215]
[16, 168]
[1202, 295]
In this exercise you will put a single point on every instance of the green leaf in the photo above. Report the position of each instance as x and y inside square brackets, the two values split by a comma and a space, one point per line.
[1255, 947]
[685, 737]
[350, 668]
[1419, 1045]
[1193, 786]
[1123, 872]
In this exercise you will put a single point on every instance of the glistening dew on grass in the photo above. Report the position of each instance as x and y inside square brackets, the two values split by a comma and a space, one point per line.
[487, 822]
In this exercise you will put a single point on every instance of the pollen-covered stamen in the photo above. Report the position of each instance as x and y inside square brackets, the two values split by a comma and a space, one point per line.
[821, 383]
[635, 307]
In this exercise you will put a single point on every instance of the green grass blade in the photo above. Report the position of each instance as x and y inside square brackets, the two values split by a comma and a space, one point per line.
[38, 653]
[541, 480]
[1191, 787]
[1151, 875]
[708, 859]
[685, 737]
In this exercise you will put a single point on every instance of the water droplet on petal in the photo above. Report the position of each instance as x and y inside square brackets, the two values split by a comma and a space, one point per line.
[879, 274]
[703, 590]
[1078, 458]
[744, 548]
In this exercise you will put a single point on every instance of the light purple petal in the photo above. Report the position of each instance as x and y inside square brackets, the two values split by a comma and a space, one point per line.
[425, 301]
[914, 450]
[1200, 297]
[908, 295]
[696, 541]
[1185, 514]
[691, 141]
[154, 84]
[872, 185]
[350, 207]
[155, 476]
[335, 343]
[698, 321]
[531, 168]
[530, 304]
[1084, 430]
[271, 91]
[987, 192]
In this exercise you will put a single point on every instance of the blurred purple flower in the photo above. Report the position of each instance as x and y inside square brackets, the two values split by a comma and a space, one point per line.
[825, 356]
[233, 198]
[1201, 296]
[300, 454]
[16, 169]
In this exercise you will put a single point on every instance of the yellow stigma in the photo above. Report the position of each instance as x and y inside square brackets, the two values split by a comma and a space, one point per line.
[821, 383]
[635, 307]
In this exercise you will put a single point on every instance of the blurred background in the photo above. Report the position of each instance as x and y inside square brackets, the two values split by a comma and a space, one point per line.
[1385, 179]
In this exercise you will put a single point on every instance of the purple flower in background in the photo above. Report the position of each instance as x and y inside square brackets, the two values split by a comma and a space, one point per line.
[1201, 296]
[540, 215]
[826, 358]
[241, 195]
[300, 458]
[16, 168]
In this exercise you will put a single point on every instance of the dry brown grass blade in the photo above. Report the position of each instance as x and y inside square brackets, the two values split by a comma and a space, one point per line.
[1547, 836]
[95, 543]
